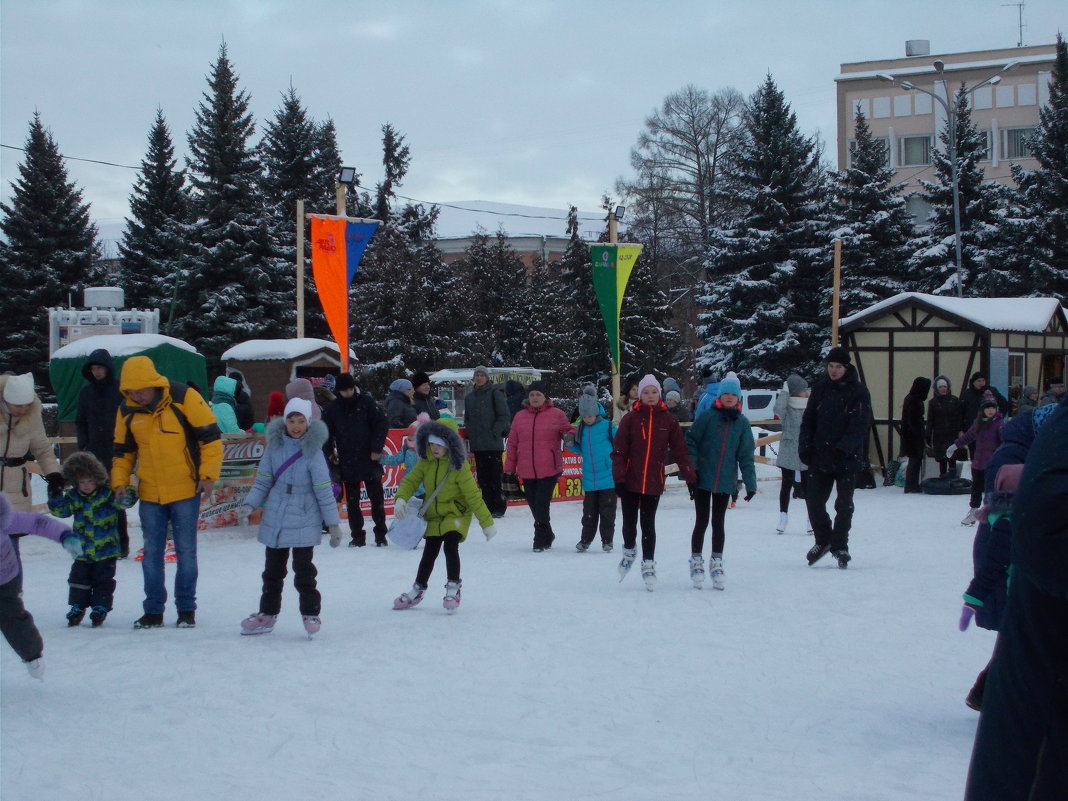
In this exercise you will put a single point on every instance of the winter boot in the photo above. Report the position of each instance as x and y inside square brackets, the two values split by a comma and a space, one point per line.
[149, 621]
[258, 623]
[843, 557]
[627, 562]
[649, 573]
[452, 596]
[781, 528]
[312, 624]
[98, 615]
[697, 570]
[75, 615]
[187, 619]
[715, 569]
[582, 546]
[817, 552]
[36, 668]
[406, 600]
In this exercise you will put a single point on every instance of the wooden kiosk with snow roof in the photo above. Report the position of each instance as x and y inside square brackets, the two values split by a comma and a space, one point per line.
[269, 364]
[1014, 341]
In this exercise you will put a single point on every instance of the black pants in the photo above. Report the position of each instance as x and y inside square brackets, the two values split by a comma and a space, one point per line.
[946, 466]
[488, 470]
[539, 492]
[635, 506]
[599, 510]
[788, 486]
[304, 573]
[978, 482]
[817, 493]
[450, 541]
[124, 535]
[377, 497]
[714, 505]
[16, 623]
[912, 473]
[92, 583]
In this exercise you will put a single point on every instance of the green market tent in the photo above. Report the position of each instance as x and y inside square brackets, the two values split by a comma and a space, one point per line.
[174, 358]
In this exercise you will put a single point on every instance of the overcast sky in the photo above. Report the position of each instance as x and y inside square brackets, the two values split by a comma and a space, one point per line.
[535, 102]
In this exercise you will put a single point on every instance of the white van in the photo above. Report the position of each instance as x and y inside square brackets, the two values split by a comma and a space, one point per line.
[759, 404]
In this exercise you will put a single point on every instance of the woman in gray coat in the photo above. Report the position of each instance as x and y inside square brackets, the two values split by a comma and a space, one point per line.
[294, 481]
[789, 408]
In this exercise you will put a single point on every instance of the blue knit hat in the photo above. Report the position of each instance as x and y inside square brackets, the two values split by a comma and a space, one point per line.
[400, 385]
[730, 384]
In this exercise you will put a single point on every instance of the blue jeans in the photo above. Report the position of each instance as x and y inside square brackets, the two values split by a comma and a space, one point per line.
[182, 516]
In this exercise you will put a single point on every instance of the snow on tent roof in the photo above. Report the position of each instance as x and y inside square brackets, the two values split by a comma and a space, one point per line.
[468, 373]
[995, 314]
[271, 349]
[118, 345]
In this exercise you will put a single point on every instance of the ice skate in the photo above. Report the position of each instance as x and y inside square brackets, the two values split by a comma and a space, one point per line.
[312, 624]
[715, 569]
[582, 546]
[970, 518]
[649, 573]
[697, 570]
[75, 615]
[36, 668]
[406, 600]
[627, 562]
[783, 519]
[258, 623]
[452, 596]
[816, 552]
[98, 615]
[843, 557]
[606, 547]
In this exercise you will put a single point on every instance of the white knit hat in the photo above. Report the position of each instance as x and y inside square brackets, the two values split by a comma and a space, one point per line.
[18, 390]
[299, 406]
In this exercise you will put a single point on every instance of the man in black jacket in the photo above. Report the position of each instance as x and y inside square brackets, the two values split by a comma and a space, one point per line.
[913, 431]
[94, 423]
[486, 422]
[357, 435]
[834, 429]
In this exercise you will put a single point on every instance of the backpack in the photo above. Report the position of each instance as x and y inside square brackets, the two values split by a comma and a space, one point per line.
[192, 441]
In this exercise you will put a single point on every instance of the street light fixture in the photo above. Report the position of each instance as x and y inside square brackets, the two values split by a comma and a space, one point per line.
[951, 110]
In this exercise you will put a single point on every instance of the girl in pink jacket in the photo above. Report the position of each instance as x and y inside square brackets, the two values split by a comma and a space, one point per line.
[534, 454]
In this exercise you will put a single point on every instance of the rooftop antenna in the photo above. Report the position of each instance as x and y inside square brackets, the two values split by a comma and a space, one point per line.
[1020, 23]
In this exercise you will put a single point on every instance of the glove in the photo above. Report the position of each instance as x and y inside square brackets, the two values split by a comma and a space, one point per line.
[55, 484]
[244, 511]
[690, 487]
[967, 612]
[73, 546]
[335, 535]
[749, 496]
[400, 509]
[952, 449]
[490, 532]
[125, 496]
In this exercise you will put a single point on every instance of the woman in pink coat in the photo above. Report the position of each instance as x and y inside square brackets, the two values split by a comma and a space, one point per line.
[534, 454]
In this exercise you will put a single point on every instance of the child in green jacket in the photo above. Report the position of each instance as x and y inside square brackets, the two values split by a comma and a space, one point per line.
[452, 498]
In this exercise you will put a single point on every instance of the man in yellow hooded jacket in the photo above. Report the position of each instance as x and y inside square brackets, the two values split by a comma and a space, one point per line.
[170, 433]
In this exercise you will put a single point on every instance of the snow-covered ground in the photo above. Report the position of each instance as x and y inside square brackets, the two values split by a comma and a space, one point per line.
[552, 681]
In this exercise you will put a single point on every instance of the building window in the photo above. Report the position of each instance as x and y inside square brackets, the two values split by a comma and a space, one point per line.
[851, 146]
[988, 146]
[915, 150]
[1017, 364]
[880, 107]
[903, 105]
[919, 208]
[1014, 144]
[1026, 94]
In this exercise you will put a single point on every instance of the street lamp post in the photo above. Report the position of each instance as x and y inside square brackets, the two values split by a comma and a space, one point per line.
[951, 109]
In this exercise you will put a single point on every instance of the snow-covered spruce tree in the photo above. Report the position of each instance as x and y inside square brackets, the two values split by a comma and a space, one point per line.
[650, 343]
[300, 162]
[48, 251]
[548, 338]
[587, 358]
[769, 269]
[873, 224]
[1044, 192]
[154, 243]
[231, 290]
[933, 259]
[396, 156]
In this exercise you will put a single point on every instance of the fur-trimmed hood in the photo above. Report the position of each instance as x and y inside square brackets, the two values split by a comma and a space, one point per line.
[457, 452]
[83, 463]
[311, 442]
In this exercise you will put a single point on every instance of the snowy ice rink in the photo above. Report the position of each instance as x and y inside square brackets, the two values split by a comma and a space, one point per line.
[553, 681]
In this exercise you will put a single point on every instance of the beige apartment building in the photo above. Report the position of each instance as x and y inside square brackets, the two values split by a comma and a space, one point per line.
[910, 122]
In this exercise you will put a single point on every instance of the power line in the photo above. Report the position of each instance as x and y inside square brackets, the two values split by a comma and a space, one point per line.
[403, 197]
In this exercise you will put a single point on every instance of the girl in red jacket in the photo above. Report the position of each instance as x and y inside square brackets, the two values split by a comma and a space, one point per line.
[534, 454]
[644, 436]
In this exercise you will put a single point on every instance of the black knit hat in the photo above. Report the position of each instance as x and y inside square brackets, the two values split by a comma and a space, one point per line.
[837, 354]
[345, 381]
[419, 379]
[538, 386]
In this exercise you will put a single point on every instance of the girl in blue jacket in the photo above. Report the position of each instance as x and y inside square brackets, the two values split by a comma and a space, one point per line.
[720, 443]
[593, 442]
[293, 480]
